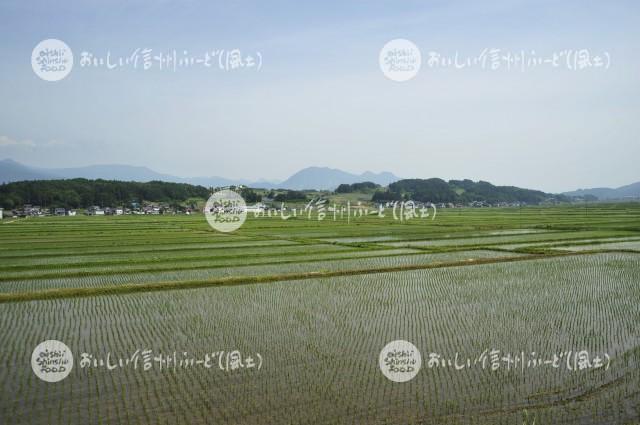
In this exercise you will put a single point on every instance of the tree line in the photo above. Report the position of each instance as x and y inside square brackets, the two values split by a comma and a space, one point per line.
[80, 193]
[460, 191]
[357, 187]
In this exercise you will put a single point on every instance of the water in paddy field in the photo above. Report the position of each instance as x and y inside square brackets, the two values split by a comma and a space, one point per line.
[319, 341]
[292, 323]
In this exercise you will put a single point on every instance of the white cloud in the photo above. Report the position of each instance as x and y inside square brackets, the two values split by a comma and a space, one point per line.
[53, 143]
[8, 141]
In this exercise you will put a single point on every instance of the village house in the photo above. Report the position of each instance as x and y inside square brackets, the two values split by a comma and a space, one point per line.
[94, 210]
[257, 208]
[30, 210]
[151, 209]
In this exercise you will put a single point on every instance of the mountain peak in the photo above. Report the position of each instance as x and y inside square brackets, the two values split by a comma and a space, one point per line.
[325, 178]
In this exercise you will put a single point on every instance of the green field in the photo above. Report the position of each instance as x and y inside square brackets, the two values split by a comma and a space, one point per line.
[318, 300]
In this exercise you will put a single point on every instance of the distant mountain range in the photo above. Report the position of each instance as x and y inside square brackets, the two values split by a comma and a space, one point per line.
[11, 170]
[629, 191]
[321, 178]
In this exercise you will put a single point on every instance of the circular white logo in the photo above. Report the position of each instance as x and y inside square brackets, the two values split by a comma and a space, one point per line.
[225, 211]
[52, 60]
[52, 360]
[400, 60]
[400, 361]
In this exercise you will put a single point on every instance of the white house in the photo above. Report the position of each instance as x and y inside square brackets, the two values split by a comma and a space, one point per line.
[257, 208]
[94, 210]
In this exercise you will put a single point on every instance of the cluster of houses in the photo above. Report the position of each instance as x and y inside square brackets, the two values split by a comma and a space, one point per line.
[472, 204]
[29, 210]
[481, 204]
[136, 209]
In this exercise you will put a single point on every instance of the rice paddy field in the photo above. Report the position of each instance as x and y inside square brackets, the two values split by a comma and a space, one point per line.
[307, 305]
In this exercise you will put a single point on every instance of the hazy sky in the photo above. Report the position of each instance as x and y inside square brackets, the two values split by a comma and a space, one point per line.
[320, 97]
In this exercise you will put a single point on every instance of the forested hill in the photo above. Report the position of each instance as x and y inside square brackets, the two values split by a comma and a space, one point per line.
[79, 193]
[463, 191]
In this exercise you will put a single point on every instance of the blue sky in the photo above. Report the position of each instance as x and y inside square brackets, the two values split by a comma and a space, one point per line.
[320, 97]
